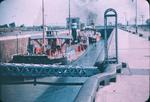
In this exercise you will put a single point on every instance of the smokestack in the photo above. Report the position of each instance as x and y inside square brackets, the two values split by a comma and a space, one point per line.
[74, 28]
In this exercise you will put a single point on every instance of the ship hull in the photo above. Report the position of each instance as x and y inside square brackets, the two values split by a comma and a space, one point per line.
[38, 59]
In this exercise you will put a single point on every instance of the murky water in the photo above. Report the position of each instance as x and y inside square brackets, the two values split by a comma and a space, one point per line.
[41, 93]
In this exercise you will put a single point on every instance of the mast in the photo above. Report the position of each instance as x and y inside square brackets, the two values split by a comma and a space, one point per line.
[69, 18]
[43, 24]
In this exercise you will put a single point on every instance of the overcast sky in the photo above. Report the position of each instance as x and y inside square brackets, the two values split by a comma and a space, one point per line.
[28, 12]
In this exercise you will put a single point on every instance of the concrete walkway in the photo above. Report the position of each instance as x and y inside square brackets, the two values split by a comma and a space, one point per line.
[143, 32]
[133, 84]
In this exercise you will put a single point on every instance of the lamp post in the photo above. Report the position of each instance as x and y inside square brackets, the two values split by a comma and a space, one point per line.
[125, 19]
[136, 26]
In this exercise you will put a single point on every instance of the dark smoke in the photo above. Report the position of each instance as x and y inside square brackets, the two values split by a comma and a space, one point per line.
[91, 17]
[1, 1]
[87, 11]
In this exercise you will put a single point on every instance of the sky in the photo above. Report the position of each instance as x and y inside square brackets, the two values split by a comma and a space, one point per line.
[28, 12]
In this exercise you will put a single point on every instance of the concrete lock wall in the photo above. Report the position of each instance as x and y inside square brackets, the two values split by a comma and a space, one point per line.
[8, 47]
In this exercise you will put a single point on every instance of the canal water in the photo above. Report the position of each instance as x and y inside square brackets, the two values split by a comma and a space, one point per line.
[41, 93]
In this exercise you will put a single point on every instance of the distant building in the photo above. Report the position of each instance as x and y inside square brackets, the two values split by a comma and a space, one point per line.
[4, 26]
[12, 25]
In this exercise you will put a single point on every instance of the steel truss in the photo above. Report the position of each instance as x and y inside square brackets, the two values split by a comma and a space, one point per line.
[39, 70]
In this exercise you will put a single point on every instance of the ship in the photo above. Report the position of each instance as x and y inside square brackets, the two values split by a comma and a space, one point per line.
[59, 47]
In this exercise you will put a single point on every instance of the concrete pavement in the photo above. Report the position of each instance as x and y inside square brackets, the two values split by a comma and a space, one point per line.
[133, 84]
[142, 32]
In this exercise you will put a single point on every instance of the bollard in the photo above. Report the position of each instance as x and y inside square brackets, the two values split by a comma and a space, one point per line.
[102, 83]
[140, 35]
[118, 70]
[124, 65]
[113, 79]
[149, 38]
[133, 32]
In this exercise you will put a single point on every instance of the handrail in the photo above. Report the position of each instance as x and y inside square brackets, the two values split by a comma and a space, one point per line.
[88, 90]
